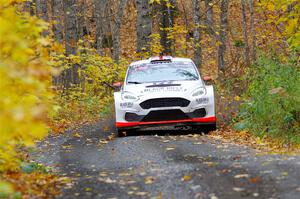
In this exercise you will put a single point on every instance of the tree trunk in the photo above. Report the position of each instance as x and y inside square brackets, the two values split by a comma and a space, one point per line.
[167, 22]
[28, 7]
[209, 12]
[197, 33]
[144, 25]
[57, 27]
[71, 38]
[117, 29]
[41, 9]
[42, 12]
[100, 6]
[81, 21]
[245, 33]
[223, 35]
[57, 13]
[253, 32]
[186, 25]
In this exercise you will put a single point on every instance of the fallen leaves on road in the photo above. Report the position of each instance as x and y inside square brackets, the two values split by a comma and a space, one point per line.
[140, 193]
[103, 142]
[149, 180]
[197, 143]
[213, 196]
[238, 189]
[107, 180]
[242, 176]
[255, 180]
[170, 148]
[267, 145]
[186, 178]
[210, 164]
[77, 135]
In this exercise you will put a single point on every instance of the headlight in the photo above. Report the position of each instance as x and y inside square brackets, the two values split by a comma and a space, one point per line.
[198, 92]
[129, 96]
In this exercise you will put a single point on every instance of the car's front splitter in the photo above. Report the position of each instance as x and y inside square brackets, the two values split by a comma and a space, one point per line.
[192, 120]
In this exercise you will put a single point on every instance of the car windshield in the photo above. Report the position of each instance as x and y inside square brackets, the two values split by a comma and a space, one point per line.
[146, 73]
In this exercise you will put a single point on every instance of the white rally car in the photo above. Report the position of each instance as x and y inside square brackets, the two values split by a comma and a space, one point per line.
[164, 91]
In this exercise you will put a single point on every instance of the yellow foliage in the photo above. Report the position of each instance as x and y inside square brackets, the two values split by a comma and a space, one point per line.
[155, 48]
[24, 82]
[285, 14]
[93, 99]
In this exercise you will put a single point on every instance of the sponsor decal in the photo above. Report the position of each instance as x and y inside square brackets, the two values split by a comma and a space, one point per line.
[202, 100]
[126, 105]
[164, 89]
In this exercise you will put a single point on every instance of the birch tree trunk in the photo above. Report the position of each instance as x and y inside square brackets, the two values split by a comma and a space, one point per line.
[117, 29]
[245, 33]
[57, 13]
[197, 33]
[223, 35]
[100, 6]
[252, 28]
[144, 25]
[71, 38]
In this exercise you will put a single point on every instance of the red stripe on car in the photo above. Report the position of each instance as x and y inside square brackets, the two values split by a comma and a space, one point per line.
[200, 120]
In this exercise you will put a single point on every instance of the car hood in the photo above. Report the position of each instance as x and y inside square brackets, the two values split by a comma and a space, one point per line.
[163, 88]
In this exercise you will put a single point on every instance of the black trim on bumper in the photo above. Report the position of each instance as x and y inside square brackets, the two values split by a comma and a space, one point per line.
[164, 115]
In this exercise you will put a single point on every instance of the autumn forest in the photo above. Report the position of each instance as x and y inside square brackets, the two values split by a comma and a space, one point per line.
[60, 58]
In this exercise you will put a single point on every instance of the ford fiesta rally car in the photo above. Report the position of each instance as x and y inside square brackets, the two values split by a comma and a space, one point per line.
[164, 91]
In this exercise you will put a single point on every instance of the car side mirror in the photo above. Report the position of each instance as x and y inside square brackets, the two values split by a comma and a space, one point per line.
[207, 79]
[117, 85]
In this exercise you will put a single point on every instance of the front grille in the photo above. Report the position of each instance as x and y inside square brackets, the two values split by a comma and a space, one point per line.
[165, 102]
[165, 115]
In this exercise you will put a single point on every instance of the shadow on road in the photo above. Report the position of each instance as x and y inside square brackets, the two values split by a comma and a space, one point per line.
[172, 132]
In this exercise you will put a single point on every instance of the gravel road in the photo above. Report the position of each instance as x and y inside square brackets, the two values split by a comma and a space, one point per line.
[170, 165]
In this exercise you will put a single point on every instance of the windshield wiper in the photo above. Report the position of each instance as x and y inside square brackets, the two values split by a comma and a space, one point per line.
[134, 82]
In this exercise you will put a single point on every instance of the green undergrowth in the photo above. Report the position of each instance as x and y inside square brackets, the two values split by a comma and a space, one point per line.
[271, 106]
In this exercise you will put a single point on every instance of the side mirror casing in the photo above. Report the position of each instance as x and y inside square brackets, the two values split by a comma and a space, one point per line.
[117, 85]
[207, 79]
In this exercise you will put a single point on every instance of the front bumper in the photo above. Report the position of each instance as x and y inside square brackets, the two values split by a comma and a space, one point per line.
[192, 121]
[193, 114]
